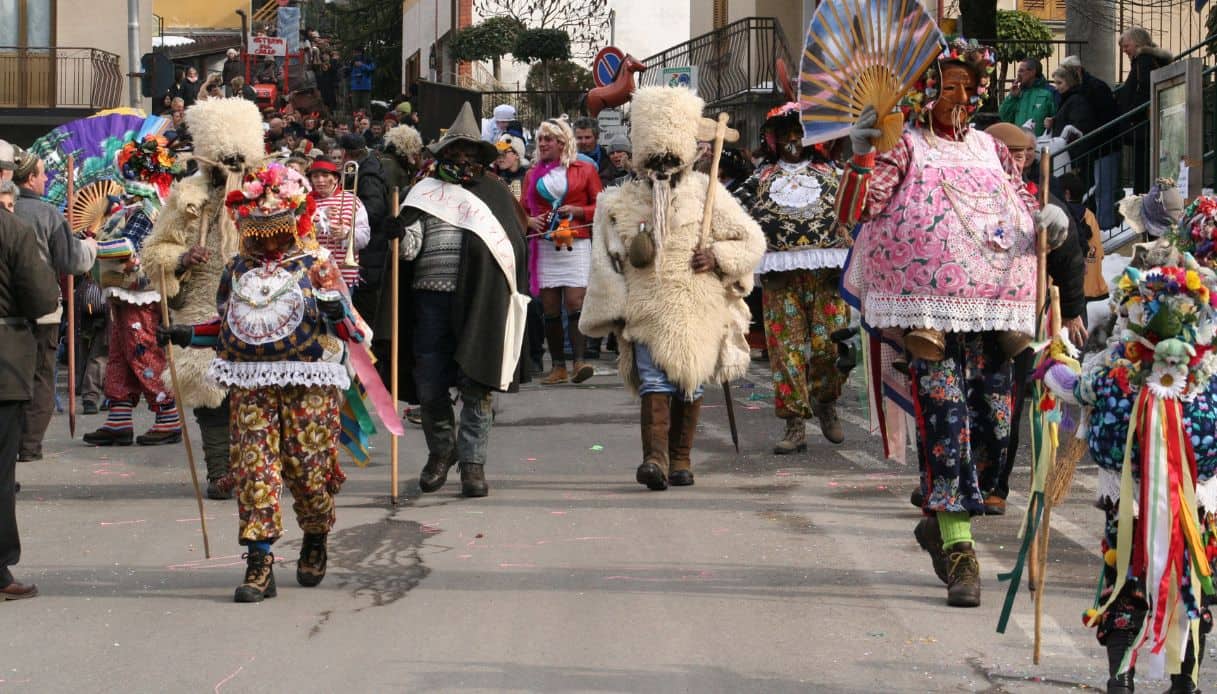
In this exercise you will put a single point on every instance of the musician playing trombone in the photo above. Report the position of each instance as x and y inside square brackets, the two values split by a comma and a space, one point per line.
[339, 214]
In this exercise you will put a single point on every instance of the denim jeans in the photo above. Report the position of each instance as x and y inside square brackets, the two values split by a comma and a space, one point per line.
[652, 379]
[435, 372]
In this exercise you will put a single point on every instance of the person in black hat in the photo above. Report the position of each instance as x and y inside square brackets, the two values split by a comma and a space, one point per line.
[463, 300]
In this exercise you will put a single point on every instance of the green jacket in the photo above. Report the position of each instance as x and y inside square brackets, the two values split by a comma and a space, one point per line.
[1034, 103]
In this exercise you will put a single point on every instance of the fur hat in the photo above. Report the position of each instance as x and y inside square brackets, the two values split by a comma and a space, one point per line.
[666, 120]
[227, 129]
[513, 143]
[404, 140]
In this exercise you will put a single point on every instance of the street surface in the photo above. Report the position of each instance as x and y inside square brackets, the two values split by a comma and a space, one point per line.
[772, 574]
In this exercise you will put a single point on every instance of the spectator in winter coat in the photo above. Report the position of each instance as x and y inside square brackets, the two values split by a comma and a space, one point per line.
[1075, 109]
[233, 67]
[1146, 57]
[362, 68]
[1030, 99]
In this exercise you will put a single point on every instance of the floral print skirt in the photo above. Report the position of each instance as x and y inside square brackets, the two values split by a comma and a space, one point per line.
[802, 309]
[962, 408]
[285, 434]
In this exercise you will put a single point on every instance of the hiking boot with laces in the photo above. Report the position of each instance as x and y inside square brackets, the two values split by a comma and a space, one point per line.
[556, 375]
[259, 577]
[435, 472]
[310, 569]
[830, 424]
[963, 576]
[795, 438]
[929, 536]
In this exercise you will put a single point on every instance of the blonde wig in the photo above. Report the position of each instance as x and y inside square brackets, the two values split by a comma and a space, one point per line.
[560, 129]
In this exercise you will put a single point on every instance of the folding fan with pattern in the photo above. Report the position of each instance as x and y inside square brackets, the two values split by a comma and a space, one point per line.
[91, 205]
[861, 53]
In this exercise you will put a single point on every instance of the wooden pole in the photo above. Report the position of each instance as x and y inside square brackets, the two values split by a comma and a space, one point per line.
[394, 282]
[71, 291]
[1041, 539]
[1041, 297]
[194, 476]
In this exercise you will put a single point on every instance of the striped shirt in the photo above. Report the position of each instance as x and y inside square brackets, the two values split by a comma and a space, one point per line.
[336, 212]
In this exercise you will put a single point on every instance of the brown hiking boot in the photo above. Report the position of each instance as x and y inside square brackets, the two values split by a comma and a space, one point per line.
[556, 375]
[310, 569]
[929, 536]
[995, 505]
[830, 424]
[582, 372]
[473, 480]
[963, 576]
[680, 440]
[435, 472]
[656, 420]
[259, 577]
[795, 438]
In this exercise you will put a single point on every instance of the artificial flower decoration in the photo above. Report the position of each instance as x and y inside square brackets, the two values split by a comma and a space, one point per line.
[272, 189]
[1167, 382]
[1197, 232]
[149, 162]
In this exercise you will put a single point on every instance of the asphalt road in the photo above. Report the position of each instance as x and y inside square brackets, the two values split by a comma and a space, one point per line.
[771, 574]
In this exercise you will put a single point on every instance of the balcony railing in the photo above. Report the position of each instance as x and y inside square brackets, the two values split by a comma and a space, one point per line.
[76, 78]
[734, 61]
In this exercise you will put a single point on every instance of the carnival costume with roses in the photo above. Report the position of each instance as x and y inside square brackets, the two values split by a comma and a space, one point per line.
[280, 342]
[676, 328]
[946, 249]
[227, 135]
[135, 362]
[800, 274]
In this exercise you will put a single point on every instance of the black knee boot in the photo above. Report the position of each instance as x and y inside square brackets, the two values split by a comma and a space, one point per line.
[1183, 683]
[1118, 645]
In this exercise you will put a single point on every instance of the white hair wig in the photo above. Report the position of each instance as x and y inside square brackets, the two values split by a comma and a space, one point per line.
[405, 140]
[559, 128]
[665, 120]
[224, 128]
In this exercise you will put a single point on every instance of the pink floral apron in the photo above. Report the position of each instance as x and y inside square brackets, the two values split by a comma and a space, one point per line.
[954, 249]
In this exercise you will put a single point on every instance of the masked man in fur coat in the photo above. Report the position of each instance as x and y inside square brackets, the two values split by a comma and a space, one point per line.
[674, 299]
[192, 240]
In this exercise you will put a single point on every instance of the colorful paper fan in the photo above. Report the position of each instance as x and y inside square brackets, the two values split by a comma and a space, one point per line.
[93, 141]
[92, 203]
[861, 53]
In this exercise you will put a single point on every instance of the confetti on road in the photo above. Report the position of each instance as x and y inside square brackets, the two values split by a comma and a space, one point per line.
[596, 448]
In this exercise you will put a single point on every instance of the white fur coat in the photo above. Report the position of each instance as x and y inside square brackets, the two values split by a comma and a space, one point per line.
[695, 324]
[192, 206]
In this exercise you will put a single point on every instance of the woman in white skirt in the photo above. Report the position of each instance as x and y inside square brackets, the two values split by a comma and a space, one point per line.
[560, 198]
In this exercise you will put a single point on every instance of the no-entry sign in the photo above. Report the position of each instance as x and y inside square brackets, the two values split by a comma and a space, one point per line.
[268, 45]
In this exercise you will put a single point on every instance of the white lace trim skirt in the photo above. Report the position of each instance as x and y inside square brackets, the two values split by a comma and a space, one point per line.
[563, 268]
[139, 298]
[260, 374]
[805, 259]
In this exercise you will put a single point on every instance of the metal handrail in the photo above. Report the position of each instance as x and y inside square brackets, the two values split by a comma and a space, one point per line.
[59, 77]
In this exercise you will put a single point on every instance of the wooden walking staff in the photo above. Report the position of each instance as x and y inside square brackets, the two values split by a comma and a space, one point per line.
[394, 282]
[194, 476]
[721, 134]
[1041, 295]
[71, 291]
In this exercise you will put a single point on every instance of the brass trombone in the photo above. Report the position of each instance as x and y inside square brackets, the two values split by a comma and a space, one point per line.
[350, 168]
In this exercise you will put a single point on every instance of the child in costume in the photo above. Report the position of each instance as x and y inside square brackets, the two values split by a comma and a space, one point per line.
[674, 299]
[284, 316]
[135, 362]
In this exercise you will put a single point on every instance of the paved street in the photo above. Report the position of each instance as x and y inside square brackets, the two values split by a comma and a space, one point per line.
[772, 574]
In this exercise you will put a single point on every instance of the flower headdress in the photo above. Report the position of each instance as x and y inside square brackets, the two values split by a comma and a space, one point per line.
[959, 51]
[290, 202]
[148, 167]
[1197, 232]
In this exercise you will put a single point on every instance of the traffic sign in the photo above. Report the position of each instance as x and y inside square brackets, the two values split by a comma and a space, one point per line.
[268, 45]
[606, 64]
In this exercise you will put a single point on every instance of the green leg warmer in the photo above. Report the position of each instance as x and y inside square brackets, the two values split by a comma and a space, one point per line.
[955, 526]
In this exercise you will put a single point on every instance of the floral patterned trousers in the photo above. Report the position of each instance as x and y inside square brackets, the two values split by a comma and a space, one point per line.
[802, 308]
[285, 434]
[962, 407]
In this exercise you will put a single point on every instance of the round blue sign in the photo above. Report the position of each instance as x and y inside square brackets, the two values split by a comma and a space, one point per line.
[604, 68]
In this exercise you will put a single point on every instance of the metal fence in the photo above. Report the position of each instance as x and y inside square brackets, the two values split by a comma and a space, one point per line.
[58, 77]
[532, 107]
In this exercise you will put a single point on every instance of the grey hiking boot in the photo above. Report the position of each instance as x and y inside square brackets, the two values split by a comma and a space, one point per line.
[830, 424]
[795, 438]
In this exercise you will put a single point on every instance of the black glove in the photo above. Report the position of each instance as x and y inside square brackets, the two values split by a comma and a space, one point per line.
[332, 310]
[394, 227]
[180, 335]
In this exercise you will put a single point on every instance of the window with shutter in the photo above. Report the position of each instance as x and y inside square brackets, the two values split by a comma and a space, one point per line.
[720, 14]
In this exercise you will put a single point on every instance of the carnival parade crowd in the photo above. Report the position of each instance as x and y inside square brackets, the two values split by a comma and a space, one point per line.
[272, 237]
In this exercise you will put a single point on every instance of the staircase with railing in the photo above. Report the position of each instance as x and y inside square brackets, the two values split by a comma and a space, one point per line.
[1106, 158]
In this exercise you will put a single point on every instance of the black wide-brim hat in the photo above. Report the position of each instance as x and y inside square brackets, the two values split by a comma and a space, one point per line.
[465, 129]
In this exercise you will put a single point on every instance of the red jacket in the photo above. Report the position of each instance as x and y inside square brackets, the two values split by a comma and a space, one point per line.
[582, 187]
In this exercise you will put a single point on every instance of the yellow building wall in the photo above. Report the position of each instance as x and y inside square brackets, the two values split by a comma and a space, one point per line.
[203, 14]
